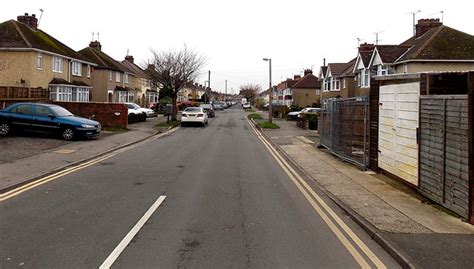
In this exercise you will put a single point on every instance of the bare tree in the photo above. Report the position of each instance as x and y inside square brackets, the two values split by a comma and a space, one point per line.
[173, 70]
[250, 91]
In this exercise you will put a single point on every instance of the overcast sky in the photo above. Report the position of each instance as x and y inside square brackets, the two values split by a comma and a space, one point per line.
[236, 35]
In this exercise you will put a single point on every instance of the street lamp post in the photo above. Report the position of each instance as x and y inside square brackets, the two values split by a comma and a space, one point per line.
[270, 96]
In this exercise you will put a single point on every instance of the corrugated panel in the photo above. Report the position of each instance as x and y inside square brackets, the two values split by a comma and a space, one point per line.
[398, 122]
[444, 153]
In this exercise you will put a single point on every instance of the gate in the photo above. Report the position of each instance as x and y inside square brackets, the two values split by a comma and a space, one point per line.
[444, 151]
[344, 129]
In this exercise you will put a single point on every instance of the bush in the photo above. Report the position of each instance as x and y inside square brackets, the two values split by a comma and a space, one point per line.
[312, 120]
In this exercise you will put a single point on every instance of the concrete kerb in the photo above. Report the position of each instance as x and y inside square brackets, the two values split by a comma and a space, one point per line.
[36, 177]
[398, 255]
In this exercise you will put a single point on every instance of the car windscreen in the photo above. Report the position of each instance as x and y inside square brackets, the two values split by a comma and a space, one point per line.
[60, 111]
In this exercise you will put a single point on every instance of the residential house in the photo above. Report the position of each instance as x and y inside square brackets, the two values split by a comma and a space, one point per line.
[335, 81]
[435, 47]
[191, 92]
[139, 81]
[111, 79]
[362, 70]
[31, 58]
[304, 92]
[282, 94]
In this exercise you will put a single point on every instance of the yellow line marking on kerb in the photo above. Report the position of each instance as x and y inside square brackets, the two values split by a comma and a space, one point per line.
[315, 200]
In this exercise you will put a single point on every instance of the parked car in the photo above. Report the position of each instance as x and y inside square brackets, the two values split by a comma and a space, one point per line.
[218, 105]
[293, 115]
[194, 115]
[46, 118]
[149, 112]
[135, 115]
[208, 109]
[246, 106]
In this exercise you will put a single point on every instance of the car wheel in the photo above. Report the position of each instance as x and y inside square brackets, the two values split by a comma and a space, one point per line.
[5, 128]
[68, 133]
[183, 124]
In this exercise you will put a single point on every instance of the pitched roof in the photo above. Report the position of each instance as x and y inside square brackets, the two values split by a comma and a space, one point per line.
[349, 68]
[324, 69]
[365, 56]
[14, 34]
[337, 68]
[103, 60]
[134, 69]
[309, 81]
[440, 43]
[390, 53]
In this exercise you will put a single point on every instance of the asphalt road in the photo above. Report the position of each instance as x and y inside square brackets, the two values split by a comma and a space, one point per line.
[228, 204]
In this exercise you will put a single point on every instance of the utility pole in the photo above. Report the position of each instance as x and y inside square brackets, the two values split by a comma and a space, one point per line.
[270, 96]
[209, 86]
[414, 22]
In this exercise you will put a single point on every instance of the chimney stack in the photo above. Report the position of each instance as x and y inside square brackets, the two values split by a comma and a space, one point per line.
[296, 77]
[365, 47]
[424, 25]
[129, 58]
[96, 45]
[31, 21]
[308, 71]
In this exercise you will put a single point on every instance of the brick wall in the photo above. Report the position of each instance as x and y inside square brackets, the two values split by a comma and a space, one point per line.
[105, 113]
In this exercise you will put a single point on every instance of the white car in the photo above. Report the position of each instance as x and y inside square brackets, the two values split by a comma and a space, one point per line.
[246, 106]
[135, 115]
[294, 114]
[194, 115]
[149, 112]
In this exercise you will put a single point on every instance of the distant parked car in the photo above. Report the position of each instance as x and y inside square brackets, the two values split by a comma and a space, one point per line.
[149, 112]
[246, 106]
[194, 115]
[218, 105]
[293, 115]
[46, 118]
[208, 109]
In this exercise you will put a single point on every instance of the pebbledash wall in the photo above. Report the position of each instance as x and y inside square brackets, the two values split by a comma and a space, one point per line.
[108, 114]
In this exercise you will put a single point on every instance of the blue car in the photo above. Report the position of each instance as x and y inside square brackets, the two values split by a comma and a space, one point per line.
[46, 118]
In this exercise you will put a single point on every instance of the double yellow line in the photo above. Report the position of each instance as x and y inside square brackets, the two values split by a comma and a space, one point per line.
[345, 235]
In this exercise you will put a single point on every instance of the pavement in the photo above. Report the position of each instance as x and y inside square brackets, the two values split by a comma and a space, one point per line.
[415, 231]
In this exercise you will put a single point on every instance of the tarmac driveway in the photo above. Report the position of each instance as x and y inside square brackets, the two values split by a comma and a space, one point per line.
[21, 146]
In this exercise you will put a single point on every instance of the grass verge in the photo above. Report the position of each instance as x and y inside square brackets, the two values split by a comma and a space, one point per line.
[250, 110]
[254, 116]
[267, 125]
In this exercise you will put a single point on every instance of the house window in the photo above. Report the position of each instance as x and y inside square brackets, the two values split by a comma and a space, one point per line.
[405, 68]
[81, 94]
[344, 83]
[382, 70]
[124, 97]
[359, 78]
[39, 61]
[110, 75]
[76, 69]
[117, 76]
[88, 71]
[364, 78]
[57, 64]
[60, 93]
[125, 78]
